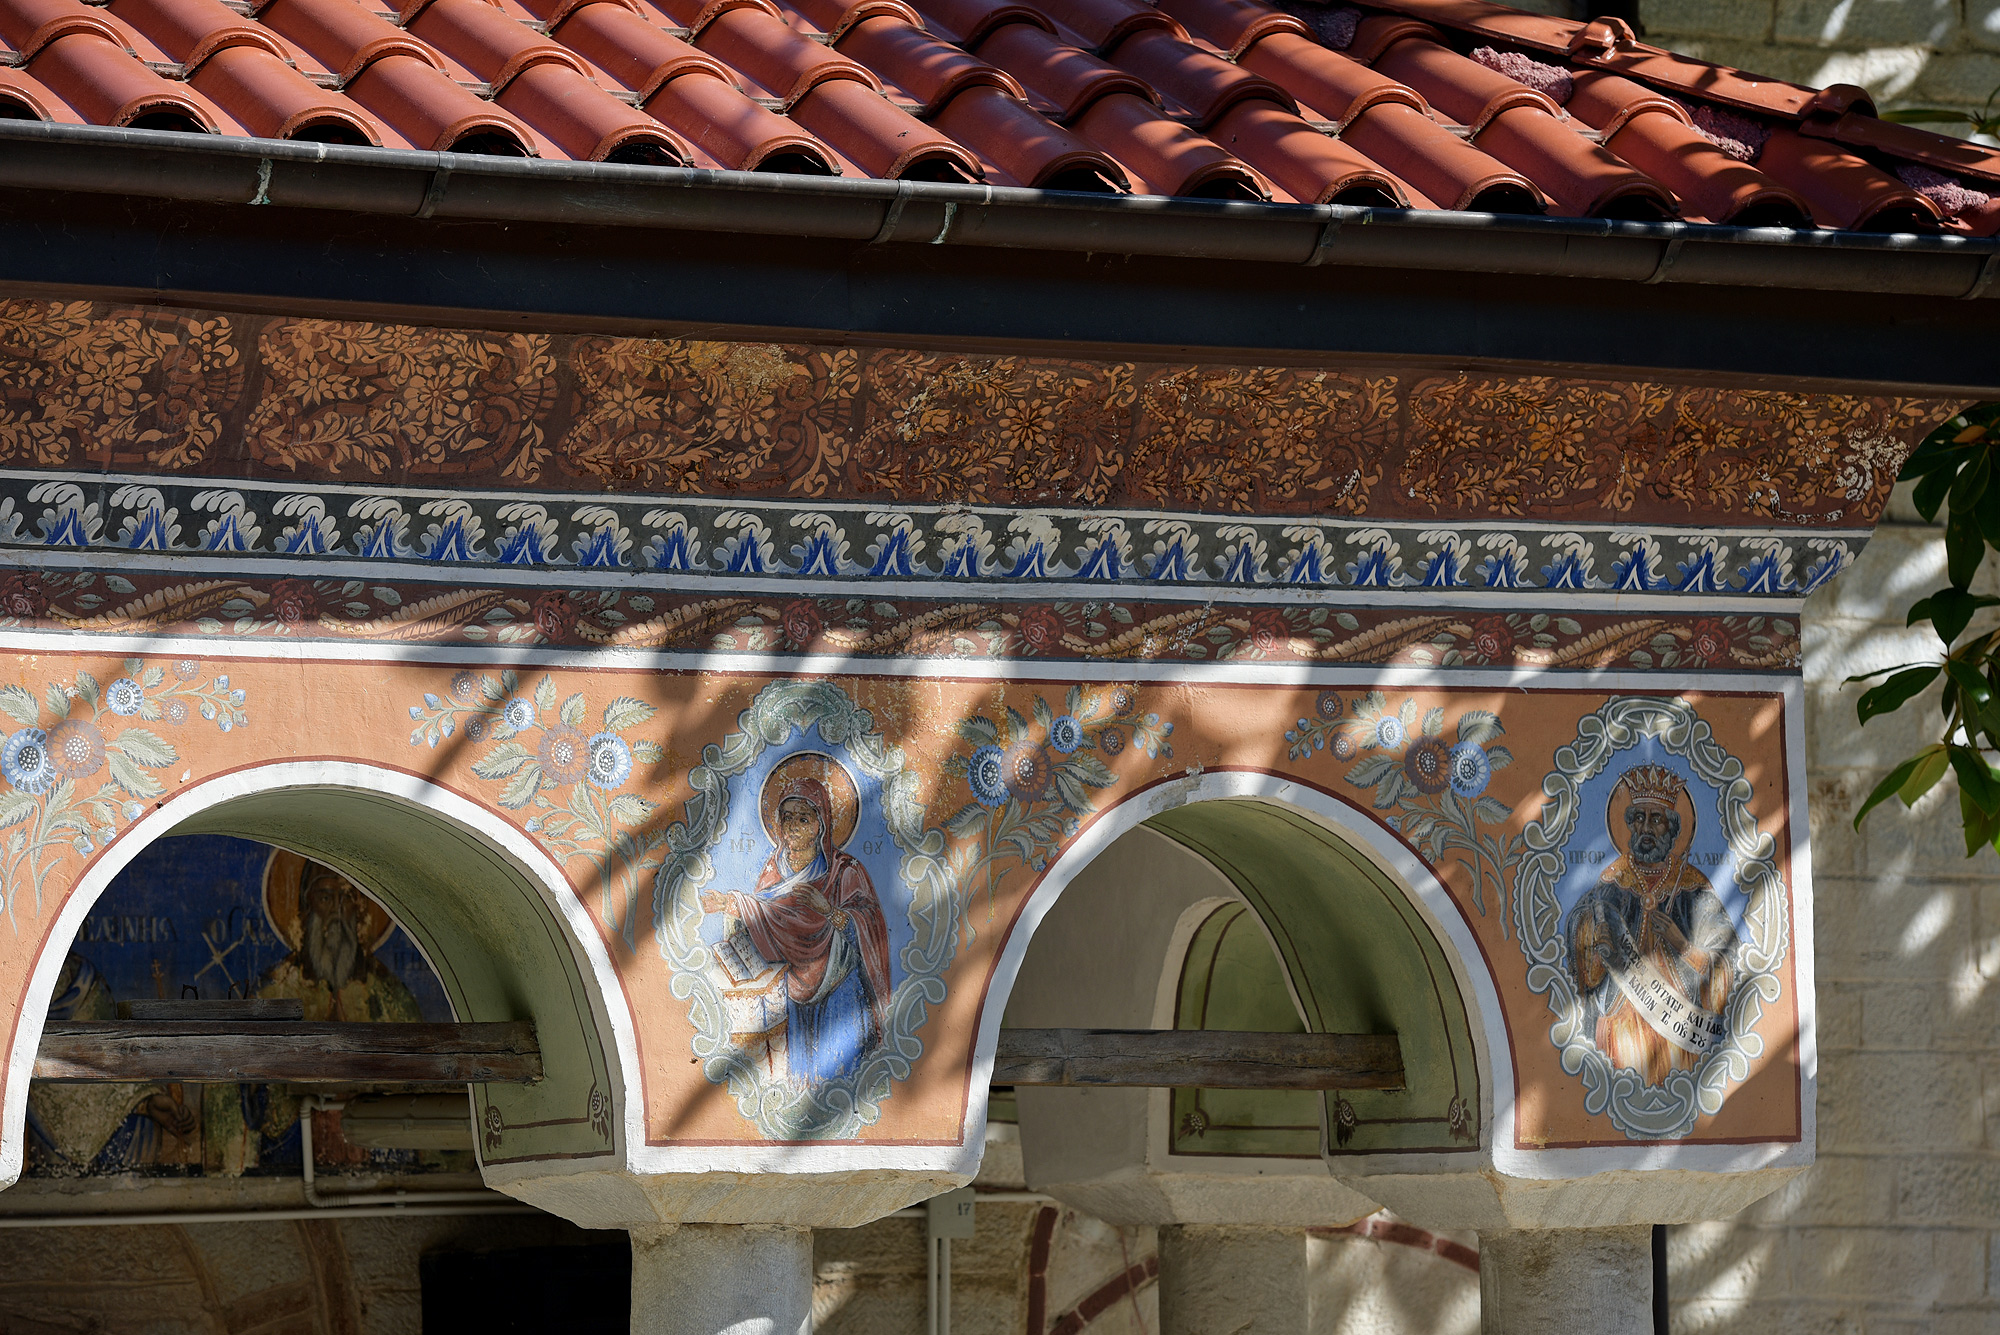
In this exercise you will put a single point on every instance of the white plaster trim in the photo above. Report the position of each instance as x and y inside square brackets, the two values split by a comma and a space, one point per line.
[607, 999]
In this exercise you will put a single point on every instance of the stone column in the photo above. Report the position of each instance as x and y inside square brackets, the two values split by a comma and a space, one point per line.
[1222, 1279]
[1567, 1279]
[722, 1279]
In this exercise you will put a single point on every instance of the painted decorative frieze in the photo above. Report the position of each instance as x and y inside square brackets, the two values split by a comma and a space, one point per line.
[1684, 637]
[806, 885]
[413, 533]
[96, 387]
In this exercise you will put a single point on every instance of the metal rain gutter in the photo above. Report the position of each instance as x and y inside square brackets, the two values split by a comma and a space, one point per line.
[43, 156]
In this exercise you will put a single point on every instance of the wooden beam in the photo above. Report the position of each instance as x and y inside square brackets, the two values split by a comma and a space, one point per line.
[239, 1051]
[1198, 1058]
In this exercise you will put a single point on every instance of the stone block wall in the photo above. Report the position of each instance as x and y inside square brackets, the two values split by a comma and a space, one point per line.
[1907, 52]
[1896, 1229]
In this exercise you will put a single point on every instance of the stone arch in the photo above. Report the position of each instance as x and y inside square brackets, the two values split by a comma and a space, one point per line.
[498, 921]
[1369, 940]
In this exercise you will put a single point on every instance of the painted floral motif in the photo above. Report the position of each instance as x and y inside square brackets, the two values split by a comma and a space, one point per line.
[554, 761]
[855, 627]
[122, 387]
[1433, 782]
[694, 417]
[1031, 781]
[77, 768]
[347, 398]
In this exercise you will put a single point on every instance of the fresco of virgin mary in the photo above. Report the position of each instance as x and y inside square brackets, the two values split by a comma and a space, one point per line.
[814, 912]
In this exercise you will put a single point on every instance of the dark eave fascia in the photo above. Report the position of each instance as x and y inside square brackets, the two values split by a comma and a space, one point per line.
[308, 227]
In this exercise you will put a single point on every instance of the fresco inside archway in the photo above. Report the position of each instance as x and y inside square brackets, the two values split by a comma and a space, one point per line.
[213, 917]
[929, 810]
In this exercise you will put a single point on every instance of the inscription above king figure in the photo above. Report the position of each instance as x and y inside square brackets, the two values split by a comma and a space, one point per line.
[1649, 941]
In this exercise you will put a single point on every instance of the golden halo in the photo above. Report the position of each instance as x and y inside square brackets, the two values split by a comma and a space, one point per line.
[1621, 835]
[284, 877]
[840, 787]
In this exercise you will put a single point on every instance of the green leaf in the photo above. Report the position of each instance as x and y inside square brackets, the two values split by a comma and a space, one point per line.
[19, 703]
[1949, 610]
[1972, 687]
[1478, 726]
[624, 712]
[574, 710]
[1970, 486]
[86, 687]
[1932, 762]
[523, 787]
[630, 808]
[1964, 548]
[1433, 722]
[1981, 826]
[1891, 784]
[1043, 714]
[979, 730]
[1976, 779]
[1090, 769]
[1930, 493]
[15, 806]
[1367, 773]
[647, 753]
[147, 748]
[130, 777]
[545, 695]
[966, 819]
[502, 760]
[1896, 692]
[58, 701]
[1498, 757]
[1940, 449]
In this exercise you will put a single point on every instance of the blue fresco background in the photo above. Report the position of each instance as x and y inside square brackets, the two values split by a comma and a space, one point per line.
[1708, 854]
[745, 846]
[190, 909]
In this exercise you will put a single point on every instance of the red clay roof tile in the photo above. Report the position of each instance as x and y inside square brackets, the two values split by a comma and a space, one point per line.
[1070, 79]
[1204, 83]
[1164, 156]
[1430, 103]
[1026, 146]
[272, 100]
[930, 71]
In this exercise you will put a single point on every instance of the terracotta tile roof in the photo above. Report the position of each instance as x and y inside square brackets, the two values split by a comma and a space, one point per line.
[1449, 104]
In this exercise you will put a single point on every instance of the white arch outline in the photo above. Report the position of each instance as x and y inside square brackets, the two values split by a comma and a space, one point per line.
[602, 984]
[1492, 1045]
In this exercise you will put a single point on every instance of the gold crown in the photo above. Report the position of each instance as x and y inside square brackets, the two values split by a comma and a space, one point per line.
[1653, 785]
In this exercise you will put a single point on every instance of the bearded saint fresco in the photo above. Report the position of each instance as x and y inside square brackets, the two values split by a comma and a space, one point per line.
[1649, 943]
[334, 930]
[814, 915]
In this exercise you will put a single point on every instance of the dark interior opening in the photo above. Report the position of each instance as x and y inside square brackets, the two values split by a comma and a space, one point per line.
[943, 169]
[797, 162]
[642, 152]
[13, 109]
[1639, 206]
[489, 143]
[178, 121]
[1769, 213]
[1083, 179]
[331, 132]
[1367, 196]
[1227, 187]
[583, 1290]
[1898, 220]
[1504, 199]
